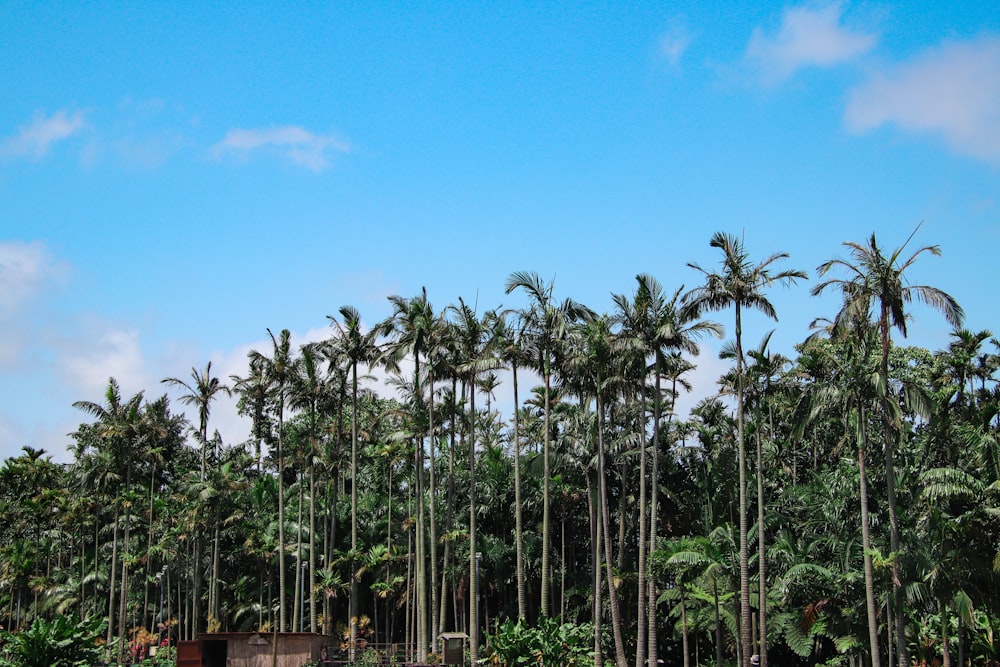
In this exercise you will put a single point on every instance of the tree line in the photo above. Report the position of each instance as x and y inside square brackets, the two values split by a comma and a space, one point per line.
[839, 507]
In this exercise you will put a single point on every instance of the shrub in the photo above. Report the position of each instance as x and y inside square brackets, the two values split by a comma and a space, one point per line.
[60, 642]
[549, 644]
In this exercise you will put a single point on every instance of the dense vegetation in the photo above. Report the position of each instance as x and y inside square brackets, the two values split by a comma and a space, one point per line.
[839, 507]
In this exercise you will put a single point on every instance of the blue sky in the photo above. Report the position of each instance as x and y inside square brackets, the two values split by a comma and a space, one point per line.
[177, 178]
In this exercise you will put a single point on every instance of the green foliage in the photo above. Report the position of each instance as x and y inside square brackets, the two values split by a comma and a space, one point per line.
[550, 644]
[56, 643]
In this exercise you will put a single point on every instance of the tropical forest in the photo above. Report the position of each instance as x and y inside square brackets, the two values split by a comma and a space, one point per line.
[522, 476]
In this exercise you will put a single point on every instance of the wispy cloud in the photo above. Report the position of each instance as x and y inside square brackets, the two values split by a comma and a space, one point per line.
[86, 362]
[809, 36]
[952, 90]
[674, 44]
[34, 139]
[24, 268]
[292, 143]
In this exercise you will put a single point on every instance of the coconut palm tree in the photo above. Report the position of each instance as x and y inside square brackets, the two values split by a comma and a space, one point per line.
[876, 289]
[740, 283]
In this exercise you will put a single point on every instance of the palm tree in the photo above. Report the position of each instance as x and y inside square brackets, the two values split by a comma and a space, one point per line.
[509, 341]
[547, 324]
[850, 391]
[762, 374]
[412, 321]
[356, 347]
[665, 329]
[277, 371]
[592, 362]
[876, 290]
[118, 430]
[203, 389]
[472, 341]
[740, 284]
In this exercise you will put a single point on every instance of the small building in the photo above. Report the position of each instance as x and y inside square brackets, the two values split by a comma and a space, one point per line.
[453, 648]
[251, 649]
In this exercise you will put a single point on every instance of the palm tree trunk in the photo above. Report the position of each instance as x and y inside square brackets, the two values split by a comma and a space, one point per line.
[111, 580]
[297, 595]
[312, 545]
[746, 631]
[213, 608]
[684, 629]
[616, 626]
[718, 624]
[761, 565]
[902, 653]
[546, 522]
[353, 603]
[473, 570]
[432, 510]
[876, 656]
[654, 495]
[641, 620]
[595, 557]
[522, 595]
[282, 583]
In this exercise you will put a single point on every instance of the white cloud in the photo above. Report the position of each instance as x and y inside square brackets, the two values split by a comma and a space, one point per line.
[809, 36]
[34, 139]
[952, 90]
[674, 44]
[88, 360]
[24, 268]
[293, 143]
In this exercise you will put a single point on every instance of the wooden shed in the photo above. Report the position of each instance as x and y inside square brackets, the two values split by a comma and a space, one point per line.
[250, 649]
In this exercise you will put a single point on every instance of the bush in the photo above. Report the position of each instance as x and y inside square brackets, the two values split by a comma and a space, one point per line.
[60, 642]
[550, 644]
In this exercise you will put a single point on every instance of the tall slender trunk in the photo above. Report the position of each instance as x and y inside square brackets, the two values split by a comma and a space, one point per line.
[761, 565]
[641, 620]
[473, 569]
[616, 625]
[449, 511]
[111, 580]
[123, 593]
[546, 527]
[866, 543]
[902, 653]
[432, 511]
[282, 617]
[522, 595]
[654, 485]
[297, 598]
[312, 545]
[213, 608]
[718, 624]
[421, 536]
[595, 557]
[684, 629]
[353, 603]
[746, 631]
